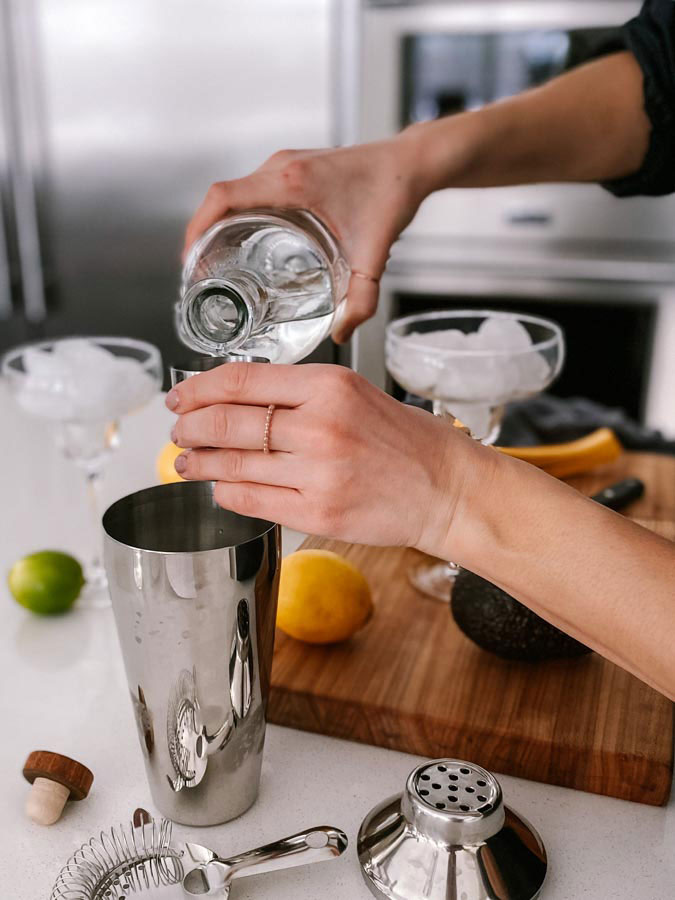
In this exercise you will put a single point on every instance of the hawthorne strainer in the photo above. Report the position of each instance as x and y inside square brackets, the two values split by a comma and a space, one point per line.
[449, 835]
[133, 859]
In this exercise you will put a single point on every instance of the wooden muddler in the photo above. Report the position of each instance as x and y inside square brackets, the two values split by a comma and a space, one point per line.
[55, 779]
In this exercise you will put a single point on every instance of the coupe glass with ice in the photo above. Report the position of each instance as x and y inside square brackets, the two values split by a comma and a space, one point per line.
[84, 386]
[470, 364]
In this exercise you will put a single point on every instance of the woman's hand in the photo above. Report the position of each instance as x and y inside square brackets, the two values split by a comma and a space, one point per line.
[350, 462]
[365, 194]
[347, 460]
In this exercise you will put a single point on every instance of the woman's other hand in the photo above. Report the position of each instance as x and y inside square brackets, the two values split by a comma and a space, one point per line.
[347, 460]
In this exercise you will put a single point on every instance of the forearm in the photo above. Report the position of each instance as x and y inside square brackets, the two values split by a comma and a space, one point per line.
[586, 125]
[590, 571]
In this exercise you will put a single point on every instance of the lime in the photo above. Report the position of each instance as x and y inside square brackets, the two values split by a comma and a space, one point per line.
[47, 582]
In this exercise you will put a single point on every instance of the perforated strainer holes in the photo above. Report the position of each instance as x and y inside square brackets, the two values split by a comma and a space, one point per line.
[451, 787]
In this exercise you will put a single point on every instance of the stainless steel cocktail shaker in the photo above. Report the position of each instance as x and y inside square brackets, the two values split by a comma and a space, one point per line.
[194, 592]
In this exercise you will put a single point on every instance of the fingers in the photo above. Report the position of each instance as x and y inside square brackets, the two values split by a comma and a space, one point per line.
[276, 504]
[279, 469]
[360, 305]
[241, 427]
[262, 188]
[256, 384]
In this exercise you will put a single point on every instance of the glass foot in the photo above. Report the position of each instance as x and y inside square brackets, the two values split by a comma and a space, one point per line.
[95, 592]
[434, 580]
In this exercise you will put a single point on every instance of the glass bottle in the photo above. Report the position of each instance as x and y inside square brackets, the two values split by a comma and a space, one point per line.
[263, 283]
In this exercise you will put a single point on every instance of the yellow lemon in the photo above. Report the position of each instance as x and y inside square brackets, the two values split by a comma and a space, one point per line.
[323, 598]
[165, 470]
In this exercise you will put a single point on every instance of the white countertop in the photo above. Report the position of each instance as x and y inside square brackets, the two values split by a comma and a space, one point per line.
[62, 687]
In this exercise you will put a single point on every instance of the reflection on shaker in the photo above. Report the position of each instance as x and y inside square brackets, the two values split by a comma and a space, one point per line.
[144, 721]
[181, 575]
[184, 732]
[188, 741]
[241, 663]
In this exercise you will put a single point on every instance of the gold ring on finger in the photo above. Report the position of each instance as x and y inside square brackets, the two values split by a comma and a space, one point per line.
[268, 425]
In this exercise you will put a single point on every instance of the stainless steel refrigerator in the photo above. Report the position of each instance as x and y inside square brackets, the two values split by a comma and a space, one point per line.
[115, 116]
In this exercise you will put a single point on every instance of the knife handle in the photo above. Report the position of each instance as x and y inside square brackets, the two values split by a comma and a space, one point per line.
[618, 495]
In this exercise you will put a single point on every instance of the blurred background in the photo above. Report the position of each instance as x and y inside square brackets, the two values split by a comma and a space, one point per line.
[115, 117]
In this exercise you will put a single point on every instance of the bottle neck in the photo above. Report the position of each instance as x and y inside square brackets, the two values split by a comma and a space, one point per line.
[218, 315]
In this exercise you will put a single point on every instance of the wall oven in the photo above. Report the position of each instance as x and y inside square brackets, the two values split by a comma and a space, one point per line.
[604, 268]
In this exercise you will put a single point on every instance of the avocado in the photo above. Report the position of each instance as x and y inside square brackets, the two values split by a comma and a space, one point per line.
[497, 622]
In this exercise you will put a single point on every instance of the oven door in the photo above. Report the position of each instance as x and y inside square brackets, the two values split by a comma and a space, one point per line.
[422, 61]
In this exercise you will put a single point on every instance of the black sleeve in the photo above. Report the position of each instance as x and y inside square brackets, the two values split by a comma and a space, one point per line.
[651, 39]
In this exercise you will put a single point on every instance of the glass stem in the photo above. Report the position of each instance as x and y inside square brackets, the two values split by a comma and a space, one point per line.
[93, 485]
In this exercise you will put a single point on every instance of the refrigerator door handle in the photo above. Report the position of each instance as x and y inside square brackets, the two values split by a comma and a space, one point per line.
[6, 306]
[25, 150]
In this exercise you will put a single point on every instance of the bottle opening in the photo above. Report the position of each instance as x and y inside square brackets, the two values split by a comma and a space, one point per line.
[218, 314]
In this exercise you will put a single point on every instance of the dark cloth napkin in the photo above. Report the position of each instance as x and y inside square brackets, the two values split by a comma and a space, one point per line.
[550, 420]
[545, 419]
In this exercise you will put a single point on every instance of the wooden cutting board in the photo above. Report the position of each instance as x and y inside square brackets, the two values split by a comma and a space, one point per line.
[411, 681]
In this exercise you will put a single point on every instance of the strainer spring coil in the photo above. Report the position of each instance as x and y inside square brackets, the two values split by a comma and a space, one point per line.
[120, 862]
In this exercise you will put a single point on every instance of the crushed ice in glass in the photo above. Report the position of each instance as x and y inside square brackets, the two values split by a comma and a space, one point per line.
[80, 381]
[502, 369]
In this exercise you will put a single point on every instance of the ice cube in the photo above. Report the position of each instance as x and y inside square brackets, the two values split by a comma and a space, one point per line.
[534, 372]
[44, 390]
[442, 339]
[503, 334]
[411, 367]
[84, 355]
[47, 366]
[133, 386]
[38, 400]
[470, 378]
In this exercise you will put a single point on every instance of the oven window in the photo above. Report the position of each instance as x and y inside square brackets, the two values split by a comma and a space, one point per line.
[448, 73]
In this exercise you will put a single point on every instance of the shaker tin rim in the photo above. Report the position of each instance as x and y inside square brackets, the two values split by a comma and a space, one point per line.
[266, 528]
